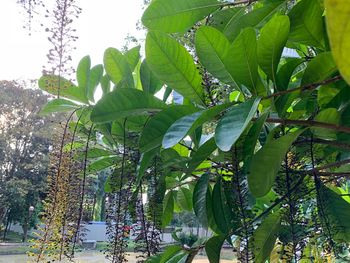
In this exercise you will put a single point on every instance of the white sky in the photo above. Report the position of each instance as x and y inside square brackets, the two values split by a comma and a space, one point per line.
[102, 24]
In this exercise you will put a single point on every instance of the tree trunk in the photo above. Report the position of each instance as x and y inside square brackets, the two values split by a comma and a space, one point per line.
[25, 232]
[6, 227]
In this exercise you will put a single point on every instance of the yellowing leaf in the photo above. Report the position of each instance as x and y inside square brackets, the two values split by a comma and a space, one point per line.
[338, 26]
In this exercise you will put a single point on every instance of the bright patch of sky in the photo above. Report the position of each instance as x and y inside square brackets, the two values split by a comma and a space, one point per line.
[102, 24]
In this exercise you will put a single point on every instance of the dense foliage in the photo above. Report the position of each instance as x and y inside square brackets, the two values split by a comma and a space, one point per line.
[257, 148]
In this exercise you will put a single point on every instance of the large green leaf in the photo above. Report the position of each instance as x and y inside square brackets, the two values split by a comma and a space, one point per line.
[266, 163]
[213, 248]
[234, 122]
[117, 67]
[132, 57]
[188, 124]
[306, 24]
[177, 16]
[95, 76]
[168, 210]
[124, 103]
[83, 72]
[273, 37]
[155, 129]
[200, 199]
[319, 68]
[172, 64]
[144, 163]
[242, 60]
[336, 214]
[212, 48]
[102, 164]
[265, 236]
[184, 198]
[58, 85]
[58, 105]
[337, 16]
[285, 73]
[149, 81]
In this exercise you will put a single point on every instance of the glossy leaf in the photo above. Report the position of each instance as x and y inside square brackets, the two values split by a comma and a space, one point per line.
[234, 122]
[184, 198]
[168, 205]
[117, 67]
[58, 105]
[265, 236]
[266, 163]
[273, 37]
[170, 16]
[144, 163]
[339, 34]
[124, 103]
[157, 126]
[199, 199]
[188, 124]
[201, 154]
[285, 73]
[172, 64]
[306, 25]
[213, 248]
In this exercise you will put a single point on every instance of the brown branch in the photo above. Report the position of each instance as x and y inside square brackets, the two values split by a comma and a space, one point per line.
[311, 86]
[337, 144]
[308, 123]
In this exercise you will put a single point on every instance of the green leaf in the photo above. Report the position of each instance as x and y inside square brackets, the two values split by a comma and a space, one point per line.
[58, 105]
[57, 85]
[95, 76]
[156, 127]
[273, 37]
[234, 122]
[123, 103]
[255, 18]
[337, 16]
[266, 163]
[149, 81]
[306, 24]
[337, 213]
[172, 64]
[319, 68]
[117, 67]
[265, 236]
[212, 48]
[331, 116]
[285, 73]
[145, 160]
[213, 248]
[105, 84]
[189, 123]
[199, 199]
[170, 16]
[201, 154]
[168, 211]
[102, 164]
[184, 198]
[83, 72]
[242, 60]
[132, 57]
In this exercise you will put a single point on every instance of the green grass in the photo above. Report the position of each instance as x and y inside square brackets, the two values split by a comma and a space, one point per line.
[13, 237]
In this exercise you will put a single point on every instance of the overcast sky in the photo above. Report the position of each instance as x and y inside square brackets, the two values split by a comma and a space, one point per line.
[102, 24]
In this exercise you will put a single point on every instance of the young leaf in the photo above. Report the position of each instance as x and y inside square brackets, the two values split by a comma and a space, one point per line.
[177, 16]
[95, 76]
[124, 103]
[265, 236]
[188, 124]
[234, 122]
[132, 57]
[306, 25]
[213, 248]
[172, 64]
[273, 37]
[156, 127]
[266, 163]
[58, 105]
[319, 68]
[337, 16]
[184, 198]
[212, 48]
[83, 72]
[199, 199]
[117, 67]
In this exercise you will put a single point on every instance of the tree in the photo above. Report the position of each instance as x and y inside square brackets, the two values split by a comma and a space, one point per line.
[25, 145]
[257, 149]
